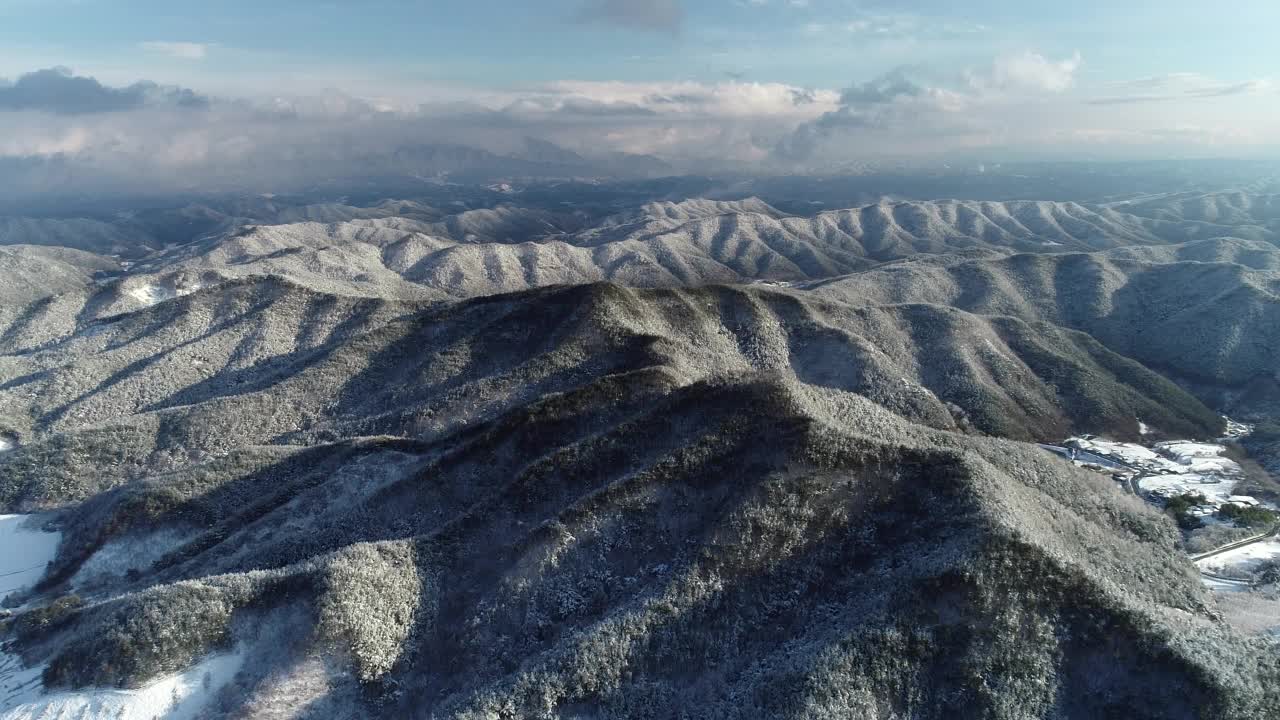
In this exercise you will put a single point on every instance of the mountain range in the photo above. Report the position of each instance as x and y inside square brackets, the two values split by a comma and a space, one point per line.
[473, 456]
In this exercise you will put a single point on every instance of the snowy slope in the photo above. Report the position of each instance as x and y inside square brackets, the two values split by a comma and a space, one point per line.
[24, 553]
[178, 697]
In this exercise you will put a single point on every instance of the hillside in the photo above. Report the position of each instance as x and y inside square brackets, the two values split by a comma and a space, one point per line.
[1253, 254]
[264, 362]
[30, 273]
[799, 552]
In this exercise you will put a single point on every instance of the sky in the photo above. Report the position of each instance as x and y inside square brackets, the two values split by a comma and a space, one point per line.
[201, 90]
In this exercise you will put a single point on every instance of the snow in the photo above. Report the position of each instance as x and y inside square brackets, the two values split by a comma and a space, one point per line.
[1237, 430]
[1173, 468]
[1176, 457]
[1128, 453]
[120, 555]
[992, 347]
[1144, 428]
[177, 697]
[1170, 468]
[1242, 559]
[6, 444]
[1218, 585]
[1215, 489]
[1184, 451]
[27, 552]
[1204, 458]
[151, 294]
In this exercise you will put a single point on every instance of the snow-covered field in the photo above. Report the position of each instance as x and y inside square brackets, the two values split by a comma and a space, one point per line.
[177, 697]
[1242, 559]
[1172, 468]
[1199, 457]
[1196, 468]
[119, 556]
[25, 551]
[1131, 454]
[1216, 490]
[152, 294]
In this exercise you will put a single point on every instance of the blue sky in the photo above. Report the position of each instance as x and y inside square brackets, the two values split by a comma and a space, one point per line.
[500, 43]
[180, 88]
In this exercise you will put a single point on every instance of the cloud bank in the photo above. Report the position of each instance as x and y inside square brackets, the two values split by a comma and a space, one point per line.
[65, 132]
[58, 91]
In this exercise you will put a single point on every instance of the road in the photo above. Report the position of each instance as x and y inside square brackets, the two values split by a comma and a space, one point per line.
[1132, 484]
[1244, 584]
[1275, 529]
[1085, 456]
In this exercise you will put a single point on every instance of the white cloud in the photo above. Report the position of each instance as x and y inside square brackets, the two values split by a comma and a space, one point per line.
[1179, 86]
[181, 50]
[1021, 102]
[286, 141]
[725, 100]
[1031, 71]
[156, 140]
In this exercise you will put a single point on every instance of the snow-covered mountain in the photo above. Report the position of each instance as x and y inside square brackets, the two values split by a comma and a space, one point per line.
[478, 455]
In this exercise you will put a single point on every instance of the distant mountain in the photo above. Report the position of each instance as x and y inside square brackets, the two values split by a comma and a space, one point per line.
[1253, 254]
[547, 152]
[96, 236]
[1236, 209]
[1216, 321]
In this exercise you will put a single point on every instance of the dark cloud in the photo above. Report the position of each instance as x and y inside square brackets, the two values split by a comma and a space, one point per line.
[804, 96]
[882, 90]
[649, 15]
[802, 144]
[863, 106]
[56, 90]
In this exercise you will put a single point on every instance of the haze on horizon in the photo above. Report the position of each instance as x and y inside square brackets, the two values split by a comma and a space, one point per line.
[190, 96]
